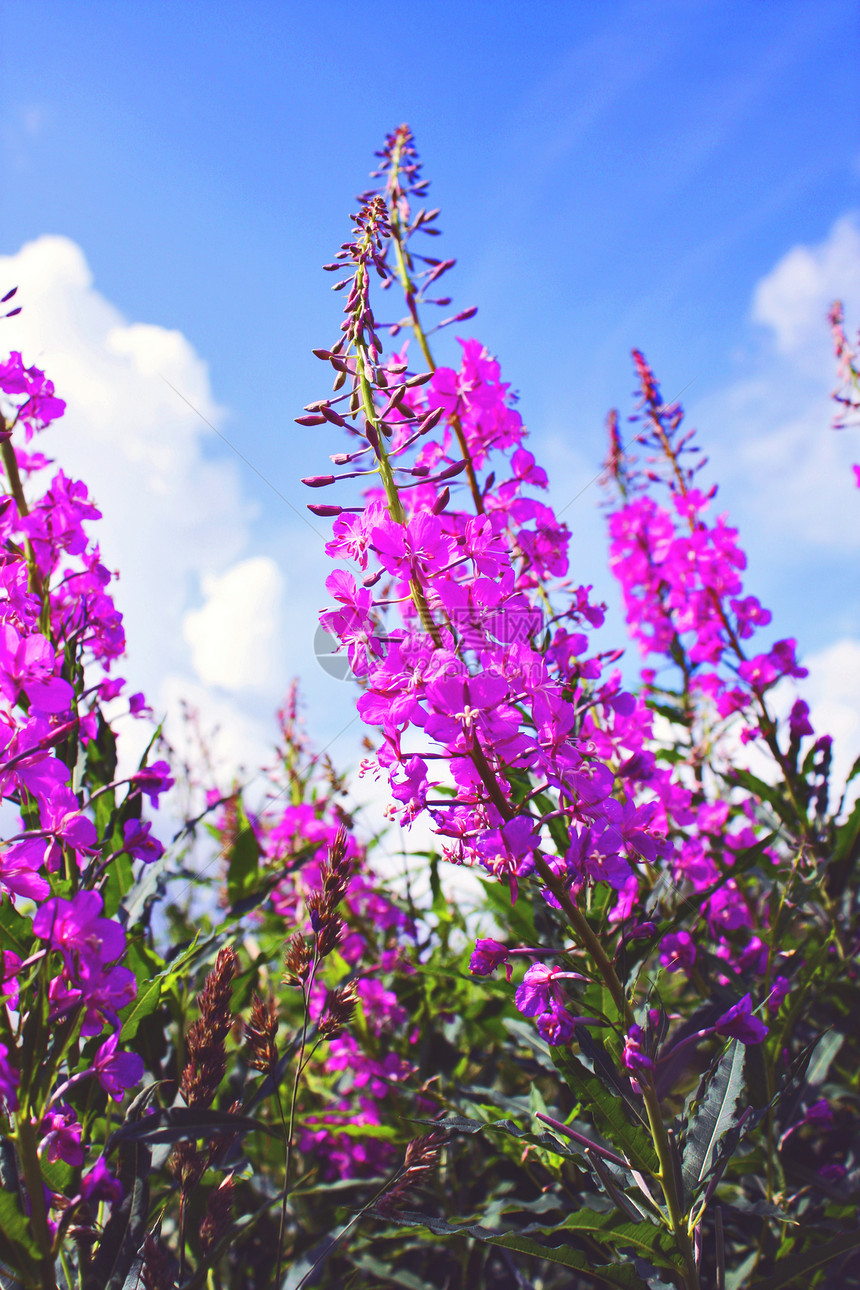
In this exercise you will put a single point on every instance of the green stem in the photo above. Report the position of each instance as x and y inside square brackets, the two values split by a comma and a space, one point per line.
[403, 271]
[10, 465]
[288, 1129]
[25, 1138]
[395, 506]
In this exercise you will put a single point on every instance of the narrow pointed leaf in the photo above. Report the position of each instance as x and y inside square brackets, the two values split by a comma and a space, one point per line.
[716, 1114]
[179, 1123]
[609, 1111]
[790, 1270]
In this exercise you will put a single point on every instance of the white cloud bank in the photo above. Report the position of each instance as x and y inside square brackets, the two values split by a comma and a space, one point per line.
[176, 521]
[776, 448]
[832, 691]
[794, 297]
[234, 637]
[792, 471]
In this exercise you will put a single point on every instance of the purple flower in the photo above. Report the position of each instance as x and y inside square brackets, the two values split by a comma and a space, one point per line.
[75, 926]
[556, 1025]
[100, 1184]
[9, 1080]
[63, 1138]
[819, 1113]
[634, 1059]
[10, 962]
[117, 1071]
[19, 865]
[739, 1023]
[780, 991]
[798, 722]
[538, 990]
[153, 780]
[487, 956]
[106, 991]
[139, 844]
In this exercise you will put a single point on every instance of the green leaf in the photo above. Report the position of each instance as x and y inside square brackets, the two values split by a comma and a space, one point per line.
[609, 1111]
[820, 1061]
[853, 772]
[461, 1124]
[17, 931]
[767, 793]
[846, 836]
[790, 1270]
[124, 1231]
[15, 1230]
[717, 1101]
[614, 1274]
[179, 1123]
[386, 1274]
[119, 882]
[244, 863]
[148, 999]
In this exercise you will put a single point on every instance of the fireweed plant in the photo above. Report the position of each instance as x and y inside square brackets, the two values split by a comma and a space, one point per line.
[73, 835]
[691, 977]
[644, 1074]
[125, 1102]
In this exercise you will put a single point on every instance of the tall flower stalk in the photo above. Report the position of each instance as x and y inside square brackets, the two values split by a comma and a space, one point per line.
[531, 762]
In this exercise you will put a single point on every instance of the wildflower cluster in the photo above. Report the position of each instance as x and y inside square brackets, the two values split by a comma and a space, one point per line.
[485, 698]
[73, 831]
[650, 847]
[660, 1089]
[355, 938]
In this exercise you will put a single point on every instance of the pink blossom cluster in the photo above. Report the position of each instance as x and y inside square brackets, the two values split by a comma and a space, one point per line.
[496, 723]
[679, 571]
[685, 603]
[60, 635]
[494, 720]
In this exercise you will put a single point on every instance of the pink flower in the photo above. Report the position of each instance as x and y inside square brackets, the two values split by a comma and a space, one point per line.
[677, 951]
[556, 1025]
[9, 1080]
[115, 1071]
[538, 989]
[634, 1058]
[487, 955]
[153, 780]
[739, 1023]
[62, 1141]
[100, 1184]
[139, 843]
[74, 927]
[19, 865]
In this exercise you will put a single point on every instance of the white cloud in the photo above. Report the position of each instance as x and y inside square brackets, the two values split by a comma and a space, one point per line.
[787, 472]
[176, 519]
[235, 636]
[793, 298]
[787, 480]
[220, 737]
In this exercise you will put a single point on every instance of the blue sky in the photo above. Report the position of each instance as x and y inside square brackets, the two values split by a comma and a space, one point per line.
[609, 176]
